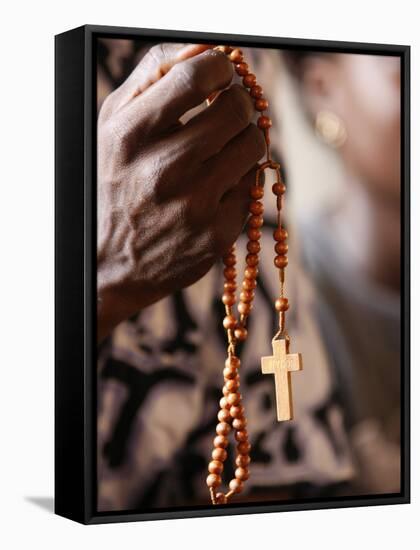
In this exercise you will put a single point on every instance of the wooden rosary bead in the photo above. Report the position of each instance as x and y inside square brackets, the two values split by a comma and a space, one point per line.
[249, 284]
[232, 385]
[241, 68]
[254, 234]
[219, 454]
[234, 398]
[278, 188]
[221, 498]
[236, 56]
[249, 80]
[261, 104]
[281, 248]
[239, 423]
[232, 361]
[231, 415]
[229, 273]
[256, 207]
[244, 447]
[244, 308]
[246, 296]
[264, 122]
[255, 221]
[252, 260]
[257, 192]
[282, 304]
[229, 322]
[242, 461]
[230, 286]
[241, 435]
[253, 246]
[213, 480]
[223, 428]
[224, 403]
[224, 49]
[235, 485]
[281, 261]
[280, 234]
[256, 92]
[251, 272]
[241, 333]
[236, 411]
[229, 260]
[229, 373]
[220, 441]
[242, 474]
[223, 415]
[228, 299]
[215, 467]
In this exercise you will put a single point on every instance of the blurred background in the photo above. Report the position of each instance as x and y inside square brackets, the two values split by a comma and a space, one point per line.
[336, 133]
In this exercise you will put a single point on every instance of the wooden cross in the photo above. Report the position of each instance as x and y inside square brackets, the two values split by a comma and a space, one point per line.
[281, 364]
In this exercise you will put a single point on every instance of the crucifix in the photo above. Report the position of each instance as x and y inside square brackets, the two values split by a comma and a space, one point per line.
[231, 416]
[281, 364]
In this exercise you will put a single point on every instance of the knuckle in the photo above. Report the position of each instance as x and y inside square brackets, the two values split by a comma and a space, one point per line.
[221, 63]
[199, 74]
[240, 105]
[157, 60]
[157, 53]
[212, 71]
[186, 77]
[107, 107]
[256, 140]
[163, 51]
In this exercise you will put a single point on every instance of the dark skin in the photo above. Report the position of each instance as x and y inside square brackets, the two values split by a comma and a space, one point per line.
[155, 174]
[172, 197]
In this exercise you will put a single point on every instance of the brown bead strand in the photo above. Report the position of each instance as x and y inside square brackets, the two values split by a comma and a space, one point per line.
[231, 416]
[280, 261]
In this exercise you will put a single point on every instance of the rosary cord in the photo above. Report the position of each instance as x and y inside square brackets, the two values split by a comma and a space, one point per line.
[231, 415]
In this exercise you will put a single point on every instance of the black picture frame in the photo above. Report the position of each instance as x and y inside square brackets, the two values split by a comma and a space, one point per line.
[75, 272]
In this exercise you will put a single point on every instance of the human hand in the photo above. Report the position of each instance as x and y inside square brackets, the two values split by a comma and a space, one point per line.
[172, 197]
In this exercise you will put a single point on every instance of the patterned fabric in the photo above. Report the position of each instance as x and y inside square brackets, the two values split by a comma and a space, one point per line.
[160, 379]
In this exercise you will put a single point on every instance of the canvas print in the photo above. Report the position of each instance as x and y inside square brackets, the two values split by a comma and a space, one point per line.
[248, 273]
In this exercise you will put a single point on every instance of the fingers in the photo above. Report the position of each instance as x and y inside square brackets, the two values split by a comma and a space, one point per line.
[209, 131]
[187, 84]
[232, 213]
[210, 180]
[154, 65]
[240, 154]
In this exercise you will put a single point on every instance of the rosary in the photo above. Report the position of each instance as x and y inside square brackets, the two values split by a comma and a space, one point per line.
[232, 414]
